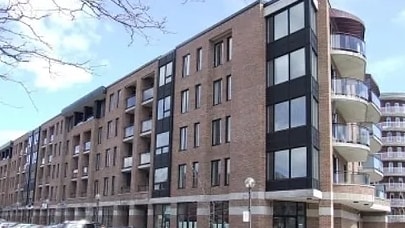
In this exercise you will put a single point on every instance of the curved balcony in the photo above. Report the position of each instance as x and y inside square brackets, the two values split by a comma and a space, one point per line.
[355, 101]
[392, 156]
[349, 55]
[393, 126]
[351, 141]
[393, 140]
[374, 168]
[375, 138]
[393, 111]
[354, 190]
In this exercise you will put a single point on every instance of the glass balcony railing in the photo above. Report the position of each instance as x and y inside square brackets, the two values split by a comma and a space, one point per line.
[351, 133]
[391, 187]
[350, 87]
[76, 150]
[87, 146]
[348, 42]
[75, 173]
[127, 163]
[85, 170]
[147, 94]
[146, 125]
[380, 191]
[131, 102]
[144, 158]
[373, 162]
[373, 98]
[393, 140]
[392, 155]
[351, 178]
[129, 131]
[393, 110]
[397, 202]
[376, 131]
[395, 124]
[394, 170]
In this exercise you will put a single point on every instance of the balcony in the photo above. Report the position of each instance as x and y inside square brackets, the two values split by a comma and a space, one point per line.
[52, 138]
[128, 133]
[351, 141]
[127, 164]
[42, 162]
[75, 173]
[374, 168]
[147, 97]
[396, 218]
[87, 147]
[394, 171]
[393, 111]
[76, 150]
[394, 187]
[349, 55]
[45, 141]
[144, 161]
[85, 172]
[393, 126]
[393, 140]
[375, 138]
[354, 101]
[49, 158]
[146, 129]
[393, 156]
[397, 202]
[130, 104]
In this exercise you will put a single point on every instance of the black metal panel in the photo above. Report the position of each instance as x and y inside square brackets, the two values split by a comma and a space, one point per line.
[290, 138]
[288, 184]
[288, 44]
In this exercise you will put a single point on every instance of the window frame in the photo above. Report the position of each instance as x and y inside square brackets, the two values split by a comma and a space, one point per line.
[186, 66]
[227, 171]
[218, 53]
[215, 173]
[228, 87]
[195, 170]
[197, 98]
[183, 138]
[185, 99]
[196, 134]
[216, 135]
[228, 132]
[182, 172]
[217, 92]
[199, 59]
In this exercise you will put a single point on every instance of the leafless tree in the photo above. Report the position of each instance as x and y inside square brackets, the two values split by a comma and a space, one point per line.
[21, 41]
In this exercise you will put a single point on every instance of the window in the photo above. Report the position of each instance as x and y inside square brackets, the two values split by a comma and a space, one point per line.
[229, 48]
[109, 129]
[195, 174]
[289, 21]
[198, 96]
[289, 114]
[116, 127]
[105, 186]
[218, 51]
[97, 161]
[66, 169]
[289, 214]
[215, 175]
[112, 185]
[227, 171]
[187, 215]
[313, 19]
[217, 92]
[114, 158]
[99, 135]
[165, 74]
[314, 65]
[95, 187]
[183, 138]
[219, 213]
[315, 113]
[182, 176]
[162, 143]
[286, 67]
[164, 108]
[160, 178]
[216, 132]
[186, 65]
[118, 99]
[161, 215]
[315, 163]
[184, 101]
[228, 129]
[112, 102]
[228, 88]
[196, 134]
[199, 59]
[290, 163]
[107, 158]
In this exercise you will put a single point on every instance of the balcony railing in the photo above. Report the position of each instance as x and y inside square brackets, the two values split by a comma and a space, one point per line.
[380, 191]
[392, 155]
[144, 158]
[85, 170]
[393, 110]
[393, 140]
[75, 173]
[350, 87]
[125, 189]
[131, 102]
[43, 161]
[348, 43]
[87, 146]
[147, 94]
[373, 98]
[129, 131]
[143, 188]
[396, 218]
[373, 162]
[397, 202]
[76, 149]
[146, 125]
[395, 187]
[127, 163]
[351, 133]
[49, 158]
[52, 138]
[394, 170]
[351, 178]
[396, 124]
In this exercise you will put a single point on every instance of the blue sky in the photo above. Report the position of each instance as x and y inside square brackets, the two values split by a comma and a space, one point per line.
[108, 45]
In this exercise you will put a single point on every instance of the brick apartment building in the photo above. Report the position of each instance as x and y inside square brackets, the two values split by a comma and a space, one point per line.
[277, 92]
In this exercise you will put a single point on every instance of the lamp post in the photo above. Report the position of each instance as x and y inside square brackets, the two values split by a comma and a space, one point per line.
[97, 196]
[47, 211]
[250, 183]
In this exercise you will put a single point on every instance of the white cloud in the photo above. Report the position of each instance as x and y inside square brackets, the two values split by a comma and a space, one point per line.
[70, 40]
[8, 135]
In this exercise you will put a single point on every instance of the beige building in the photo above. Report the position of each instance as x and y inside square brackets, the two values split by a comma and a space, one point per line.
[277, 92]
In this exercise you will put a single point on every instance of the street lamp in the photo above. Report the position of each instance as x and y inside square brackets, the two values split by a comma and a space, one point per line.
[47, 211]
[250, 183]
[97, 196]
